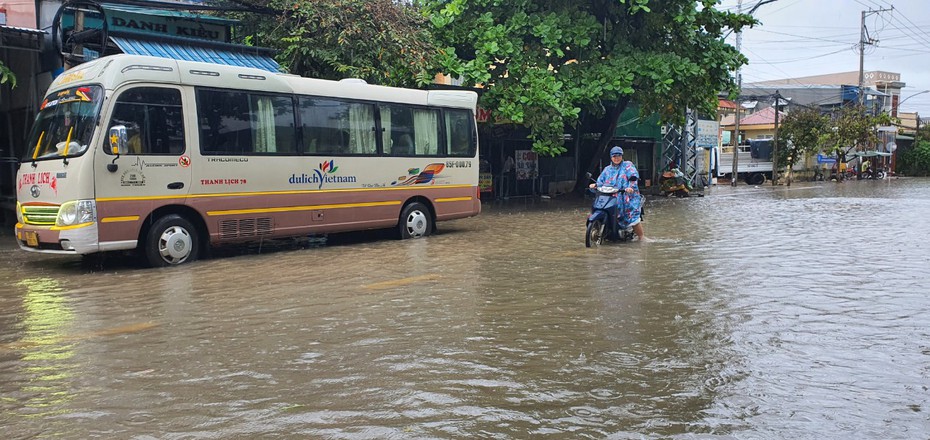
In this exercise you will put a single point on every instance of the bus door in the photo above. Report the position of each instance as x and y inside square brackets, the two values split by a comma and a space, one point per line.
[156, 169]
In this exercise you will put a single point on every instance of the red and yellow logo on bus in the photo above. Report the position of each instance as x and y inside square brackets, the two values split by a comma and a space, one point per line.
[329, 167]
[326, 174]
[416, 177]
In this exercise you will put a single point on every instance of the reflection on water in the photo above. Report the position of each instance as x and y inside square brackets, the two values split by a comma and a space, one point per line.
[44, 351]
[756, 312]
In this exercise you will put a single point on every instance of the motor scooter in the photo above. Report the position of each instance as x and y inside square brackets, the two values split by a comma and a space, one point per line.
[603, 222]
[674, 183]
[878, 174]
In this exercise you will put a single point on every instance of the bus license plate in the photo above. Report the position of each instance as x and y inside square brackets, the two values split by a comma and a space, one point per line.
[32, 239]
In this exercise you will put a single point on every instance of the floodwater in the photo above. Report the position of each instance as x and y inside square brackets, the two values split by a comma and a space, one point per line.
[754, 313]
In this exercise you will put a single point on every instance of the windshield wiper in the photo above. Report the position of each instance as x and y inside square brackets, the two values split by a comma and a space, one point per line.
[64, 155]
[35, 152]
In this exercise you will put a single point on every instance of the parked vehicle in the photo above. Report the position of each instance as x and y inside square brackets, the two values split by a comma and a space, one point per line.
[674, 183]
[172, 157]
[754, 161]
[869, 173]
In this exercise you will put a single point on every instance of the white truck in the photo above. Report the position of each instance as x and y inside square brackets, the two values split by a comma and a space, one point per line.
[754, 164]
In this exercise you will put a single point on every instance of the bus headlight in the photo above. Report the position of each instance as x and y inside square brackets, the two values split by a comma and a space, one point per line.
[19, 214]
[76, 212]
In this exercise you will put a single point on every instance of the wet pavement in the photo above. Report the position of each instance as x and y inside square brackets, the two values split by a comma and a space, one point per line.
[754, 312]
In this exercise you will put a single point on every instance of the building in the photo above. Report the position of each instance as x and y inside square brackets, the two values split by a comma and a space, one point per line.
[21, 44]
[883, 88]
[757, 125]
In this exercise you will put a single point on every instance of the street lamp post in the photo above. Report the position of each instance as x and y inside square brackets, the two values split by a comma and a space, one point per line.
[909, 97]
[915, 113]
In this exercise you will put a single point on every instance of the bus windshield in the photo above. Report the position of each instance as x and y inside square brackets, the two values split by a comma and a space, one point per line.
[65, 124]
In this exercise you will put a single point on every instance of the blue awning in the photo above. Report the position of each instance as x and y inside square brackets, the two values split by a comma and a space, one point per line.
[232, 55]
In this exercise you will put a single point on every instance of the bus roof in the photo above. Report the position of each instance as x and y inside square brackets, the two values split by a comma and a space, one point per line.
[115, 70]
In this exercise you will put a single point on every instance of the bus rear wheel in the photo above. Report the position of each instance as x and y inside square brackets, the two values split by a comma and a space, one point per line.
[172, 240]
[415, 221]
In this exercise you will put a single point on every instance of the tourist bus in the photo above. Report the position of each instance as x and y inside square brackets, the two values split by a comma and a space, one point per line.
[172, 157]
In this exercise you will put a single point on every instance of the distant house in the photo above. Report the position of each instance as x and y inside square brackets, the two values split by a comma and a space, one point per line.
[758, 125]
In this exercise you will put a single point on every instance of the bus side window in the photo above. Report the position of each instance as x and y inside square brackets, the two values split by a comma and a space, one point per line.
[410, 131]
[335, 126]
[153, 119]
[426, 131]
[273, 124]
[459, 133]
[397, 126]
[225, 123]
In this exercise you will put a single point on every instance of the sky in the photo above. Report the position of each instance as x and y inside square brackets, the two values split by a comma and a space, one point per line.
[816, 37]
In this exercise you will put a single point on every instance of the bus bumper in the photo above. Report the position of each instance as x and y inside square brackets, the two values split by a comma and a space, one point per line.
[72, 240]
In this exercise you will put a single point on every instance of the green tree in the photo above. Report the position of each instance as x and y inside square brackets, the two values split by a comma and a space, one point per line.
[381, 41]
[854, 128]
[801, 134]
[6, 75]
[916, 161]
[543, 62]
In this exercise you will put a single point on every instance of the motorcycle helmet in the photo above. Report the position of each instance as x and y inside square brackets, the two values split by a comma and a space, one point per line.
[616, 151]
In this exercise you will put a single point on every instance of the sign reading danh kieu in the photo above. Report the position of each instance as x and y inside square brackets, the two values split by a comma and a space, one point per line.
[156, 23]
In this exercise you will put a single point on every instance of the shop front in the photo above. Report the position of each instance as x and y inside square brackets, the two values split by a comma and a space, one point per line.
[88, 30]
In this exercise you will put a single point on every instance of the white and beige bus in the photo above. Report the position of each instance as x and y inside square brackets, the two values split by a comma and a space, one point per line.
[171, 157]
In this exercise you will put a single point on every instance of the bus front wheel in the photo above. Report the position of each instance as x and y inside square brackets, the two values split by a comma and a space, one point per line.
[415, 221]
[171, 240]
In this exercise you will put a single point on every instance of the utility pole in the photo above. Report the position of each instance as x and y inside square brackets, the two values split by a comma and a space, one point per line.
[739, 88]
[917, 129]
[739, 82]
[863, 33]
[775, 143]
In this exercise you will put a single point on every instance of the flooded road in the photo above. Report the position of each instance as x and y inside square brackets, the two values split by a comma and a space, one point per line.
[755, 312]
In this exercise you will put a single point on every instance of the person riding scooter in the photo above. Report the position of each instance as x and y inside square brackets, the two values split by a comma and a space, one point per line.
[623, 175]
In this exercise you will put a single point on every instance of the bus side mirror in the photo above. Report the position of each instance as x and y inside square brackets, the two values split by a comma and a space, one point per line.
[118, 139]
[118, 145]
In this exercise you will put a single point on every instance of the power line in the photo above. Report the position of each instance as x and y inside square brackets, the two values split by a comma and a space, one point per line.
[812, 57]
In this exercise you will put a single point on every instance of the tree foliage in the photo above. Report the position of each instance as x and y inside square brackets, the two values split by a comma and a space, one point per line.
[916, 161]
[854, 128]
[6, 75]
[802, 133]
[543, 62]
[381, 41]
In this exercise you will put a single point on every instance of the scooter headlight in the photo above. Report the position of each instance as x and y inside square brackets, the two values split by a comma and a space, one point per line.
[76, 212]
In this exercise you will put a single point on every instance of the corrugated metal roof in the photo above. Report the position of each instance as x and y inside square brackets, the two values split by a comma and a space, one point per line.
[233, 56]
[166, 13]
[21, 30]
